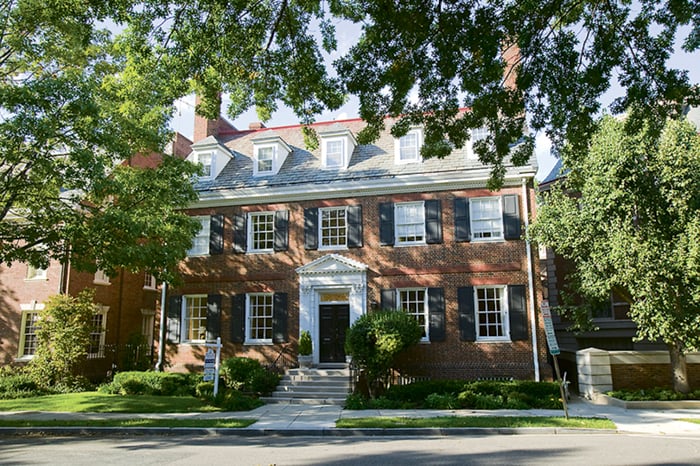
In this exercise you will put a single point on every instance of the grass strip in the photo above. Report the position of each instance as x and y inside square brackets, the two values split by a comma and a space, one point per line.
[205, 423]
[694, 421]
[94, 402]
[474, 421]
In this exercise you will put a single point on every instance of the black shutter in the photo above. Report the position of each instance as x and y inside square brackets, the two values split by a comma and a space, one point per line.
[174, 314]
[239, 234]
[461, 214]
[467, 318]
[517, 313]
[388, 300]
[511, 217]
[386, 224]
[281, 230]
[311, 228]
[216, 234]
[354, 218]
[238, 318]
[436, 312]
[213, 316]
[279, 318]
[433, 222]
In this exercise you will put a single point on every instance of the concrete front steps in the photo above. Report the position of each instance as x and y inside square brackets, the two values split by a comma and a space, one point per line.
[326, 384]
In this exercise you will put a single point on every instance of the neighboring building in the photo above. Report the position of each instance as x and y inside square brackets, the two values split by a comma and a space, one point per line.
[623, 362]
[296, 239]
[125, 305]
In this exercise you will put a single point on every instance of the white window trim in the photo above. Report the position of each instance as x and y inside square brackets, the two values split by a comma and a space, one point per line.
[26, 309]
[212, 164]
[102, 310]
[101, 278]
[255, 341]
[399, 243]
[185, 322]
[205, 221]
[426, 311]
[504, 315]
[149, 282]
[343, 153]
[471, 154]
[320, 228]
[419, 143]
[37, 275]
[273, 160]
[249, 233]
[472, 219]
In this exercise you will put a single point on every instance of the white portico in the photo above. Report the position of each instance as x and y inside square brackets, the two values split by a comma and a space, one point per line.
[332, 295]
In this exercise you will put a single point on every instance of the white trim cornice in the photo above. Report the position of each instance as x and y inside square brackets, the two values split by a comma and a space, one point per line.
[414, 183]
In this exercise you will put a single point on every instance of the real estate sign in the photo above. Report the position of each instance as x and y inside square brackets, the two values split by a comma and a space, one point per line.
[549, 329]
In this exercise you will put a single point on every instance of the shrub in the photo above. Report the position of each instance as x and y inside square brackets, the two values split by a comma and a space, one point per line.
[247, 375]
[305, 348]
[374, 341]
[654, 394]
[488, 401]
[233, 400]
[437, 401]
[417, 392]
[18, 384]
[204, 390]
[152, 383]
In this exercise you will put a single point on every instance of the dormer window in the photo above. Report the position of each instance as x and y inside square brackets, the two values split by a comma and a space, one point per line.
[334, 154]
[264, 159]
[408, 147]
[206, 161]
[269, 153]
[211, 155]
[337, 146]
[477, 134]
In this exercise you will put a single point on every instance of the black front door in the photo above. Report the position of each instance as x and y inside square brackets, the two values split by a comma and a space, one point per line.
[334, 321]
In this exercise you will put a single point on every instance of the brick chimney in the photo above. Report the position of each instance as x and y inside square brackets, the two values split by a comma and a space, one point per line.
[204, 127]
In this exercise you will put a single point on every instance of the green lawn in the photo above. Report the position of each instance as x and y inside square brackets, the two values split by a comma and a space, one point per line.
[694, 421]
[205, 423]
[94, 402]
[474, 421]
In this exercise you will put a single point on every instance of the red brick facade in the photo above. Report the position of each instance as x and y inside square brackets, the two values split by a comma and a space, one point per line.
[448, 265]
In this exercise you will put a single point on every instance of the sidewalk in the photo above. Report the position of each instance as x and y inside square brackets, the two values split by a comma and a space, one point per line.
[299, 419]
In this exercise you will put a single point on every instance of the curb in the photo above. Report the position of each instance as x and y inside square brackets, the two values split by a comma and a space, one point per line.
[325, 432]
[605, 400]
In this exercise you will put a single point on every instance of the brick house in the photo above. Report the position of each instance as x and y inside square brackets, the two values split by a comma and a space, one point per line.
[298, 239]
[125, 305]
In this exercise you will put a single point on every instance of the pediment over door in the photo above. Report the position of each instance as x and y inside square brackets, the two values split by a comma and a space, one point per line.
[332, 263]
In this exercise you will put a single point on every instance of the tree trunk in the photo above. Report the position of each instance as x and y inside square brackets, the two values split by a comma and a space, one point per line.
[679, 368]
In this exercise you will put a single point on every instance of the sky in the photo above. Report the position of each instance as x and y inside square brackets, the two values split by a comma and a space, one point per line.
[347, 34]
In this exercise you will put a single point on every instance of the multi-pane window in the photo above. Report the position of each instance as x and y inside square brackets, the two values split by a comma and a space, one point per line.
[265, 157]
[261, 231]
[35, 273]
[28, 338]
[491, 312]
[200, 243]
[486, 218]
[409, 147]
[259, 318]
[97, 335]
[413, 301]
[206, 161]
[149, 281]
[333, 227]
[477, 134]
[334, 153]
[410, 223]
[194, 317]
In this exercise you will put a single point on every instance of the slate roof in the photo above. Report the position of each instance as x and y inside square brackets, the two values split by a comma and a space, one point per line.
[303, 166]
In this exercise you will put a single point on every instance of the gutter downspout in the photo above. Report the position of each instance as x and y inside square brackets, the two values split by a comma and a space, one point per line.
[531, 283]
[161, 337]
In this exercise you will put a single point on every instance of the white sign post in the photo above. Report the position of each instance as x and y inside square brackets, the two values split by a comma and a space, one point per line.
[211, 364]
[553, 349]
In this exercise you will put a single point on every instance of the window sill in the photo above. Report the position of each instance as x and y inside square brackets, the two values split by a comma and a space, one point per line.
[262, 251]
[257, 343]
[101, 283]
[406, 245]
[333, 248]
[24, 358]
[36, 279]
[488, 240]
[493, 340]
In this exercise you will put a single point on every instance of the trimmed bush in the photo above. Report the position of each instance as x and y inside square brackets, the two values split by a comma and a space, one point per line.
[233, 400]
[247, 375]
[152, 383]
[19, 384]
[437, 401]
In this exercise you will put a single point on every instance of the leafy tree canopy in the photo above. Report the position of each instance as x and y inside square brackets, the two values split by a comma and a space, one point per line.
[74, 104]
[628, 216]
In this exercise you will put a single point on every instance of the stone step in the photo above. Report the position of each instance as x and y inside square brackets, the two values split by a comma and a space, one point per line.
[312, 389]
[308, 394]
[314, 378]
[305, 401]
[320, 372]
